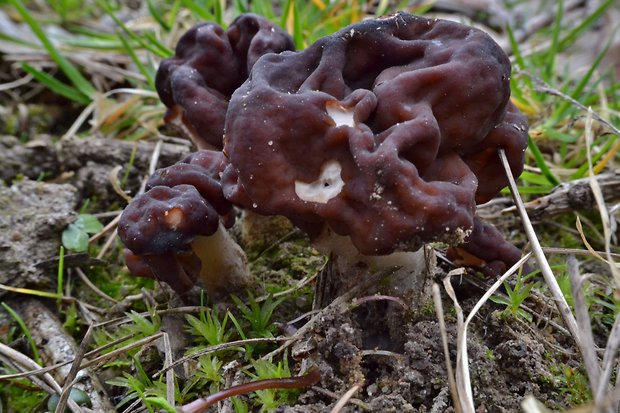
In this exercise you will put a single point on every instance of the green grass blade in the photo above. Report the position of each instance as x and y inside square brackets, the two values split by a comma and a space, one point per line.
[67, 68]
[560, 112]
[202, 12]
[174, 12]
[21, 42]
[570, 38]
[162, 50]
[151, 45]
[540, 161]
[298, 36]
[24, 328]
[155, 13]
[285, 12]
[584, 168]
[555, 41]
[61, 271]
[263, 8]
[55, 85]
[148, 74]
[240, 7]
[218, 11]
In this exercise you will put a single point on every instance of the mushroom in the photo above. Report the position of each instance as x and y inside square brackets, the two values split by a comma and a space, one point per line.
[209, 64]
[375, 140]
[384, 133]
[175, 235]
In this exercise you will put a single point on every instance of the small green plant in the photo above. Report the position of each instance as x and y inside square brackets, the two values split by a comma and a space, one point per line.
[139, 385]
[258, 316]
[270, 400]
[207, 376]
[208, 328]
[75, 236]
[573, 384]
[516, 296]
[139, 327]
[25, 331]
[20, 394]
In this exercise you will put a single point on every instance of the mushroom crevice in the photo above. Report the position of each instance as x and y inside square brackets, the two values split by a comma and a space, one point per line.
[385, 133]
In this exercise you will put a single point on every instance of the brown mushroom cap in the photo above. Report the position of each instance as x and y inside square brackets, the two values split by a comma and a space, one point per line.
[183, 203]
[166, 219]
[209, 64]
[384, 131]
[201, 170]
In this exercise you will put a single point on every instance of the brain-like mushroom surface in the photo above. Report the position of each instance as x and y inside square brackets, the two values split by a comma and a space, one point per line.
[209, 64]
[386, 132]
[174, 230]
[159, 225]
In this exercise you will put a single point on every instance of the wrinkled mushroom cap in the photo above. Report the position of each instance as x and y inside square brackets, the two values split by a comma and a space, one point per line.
[166, 219]
[384, 131]
[209, 64]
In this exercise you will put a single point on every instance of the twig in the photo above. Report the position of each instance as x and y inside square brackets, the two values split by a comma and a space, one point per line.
[332, 395]
[463, 382]
[58, 365]
[300, 284]
[75, 367]
[114, 354]
[170, 372]
[345, 399]
[338, 302]
[575, 251]
[544, 87]
[379, 297]
[549, 277]
[28, 363]
[92, 286]
[107, 244]
[446, 351]
[574, 195]
[107, 227]
[312, 377]
[583, 321]
[600, 201]
[219, 347]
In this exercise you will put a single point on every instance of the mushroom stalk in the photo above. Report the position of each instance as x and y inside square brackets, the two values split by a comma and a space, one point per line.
[224, 264]
[347, 267]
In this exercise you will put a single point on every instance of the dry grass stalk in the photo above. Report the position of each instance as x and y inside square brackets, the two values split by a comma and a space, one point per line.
[547, 273]
[345, 399]
[463, 381]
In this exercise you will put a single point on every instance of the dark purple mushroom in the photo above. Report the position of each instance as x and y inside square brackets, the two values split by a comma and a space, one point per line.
[210, 63]
[385, 132]
[374, 140]
[174, 230]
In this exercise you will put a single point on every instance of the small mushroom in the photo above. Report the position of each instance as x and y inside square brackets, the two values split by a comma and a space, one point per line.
[175, 235]
[209, 64]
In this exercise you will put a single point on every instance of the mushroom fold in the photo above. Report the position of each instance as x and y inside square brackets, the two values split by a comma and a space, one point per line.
[385, 133]
[209, 64]
[411, 110]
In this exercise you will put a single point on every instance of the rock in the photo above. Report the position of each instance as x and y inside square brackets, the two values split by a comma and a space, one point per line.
[32, 218]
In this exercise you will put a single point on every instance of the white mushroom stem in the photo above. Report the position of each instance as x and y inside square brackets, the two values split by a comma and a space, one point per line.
[224, 264]
[349, 268]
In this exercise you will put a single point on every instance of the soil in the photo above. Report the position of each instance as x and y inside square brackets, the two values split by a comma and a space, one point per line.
[402, 369]
[397, 362]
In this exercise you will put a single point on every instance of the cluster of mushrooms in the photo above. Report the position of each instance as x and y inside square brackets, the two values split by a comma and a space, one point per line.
[376, 139]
